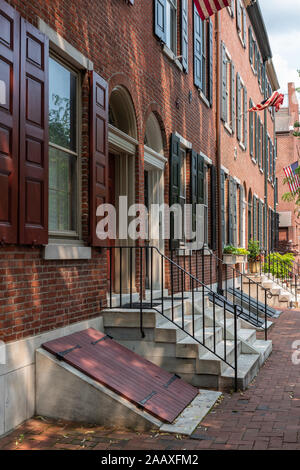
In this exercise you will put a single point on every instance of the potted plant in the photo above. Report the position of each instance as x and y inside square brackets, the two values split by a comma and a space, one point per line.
[254, 256]
[233, 255]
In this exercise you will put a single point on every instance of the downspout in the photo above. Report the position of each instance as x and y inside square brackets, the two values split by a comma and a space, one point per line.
[218, 152]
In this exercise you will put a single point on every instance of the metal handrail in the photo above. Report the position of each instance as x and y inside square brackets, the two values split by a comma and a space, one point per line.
[146, 254]
[286, 277]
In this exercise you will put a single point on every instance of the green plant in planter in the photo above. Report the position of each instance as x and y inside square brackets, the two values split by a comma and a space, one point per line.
[232, 250]
[279, 265]
[254, 250]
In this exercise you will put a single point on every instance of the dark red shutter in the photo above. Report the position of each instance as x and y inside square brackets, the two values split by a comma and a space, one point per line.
[33, 192]
[98, 151]
[9, 122]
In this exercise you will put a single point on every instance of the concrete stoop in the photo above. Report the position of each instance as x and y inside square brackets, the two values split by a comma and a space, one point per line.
[173, 349]
[63, 392]
[278, 296]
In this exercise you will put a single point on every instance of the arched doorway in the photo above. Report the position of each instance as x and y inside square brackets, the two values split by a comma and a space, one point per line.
[249, 215]
[122, 138]
[154, 165]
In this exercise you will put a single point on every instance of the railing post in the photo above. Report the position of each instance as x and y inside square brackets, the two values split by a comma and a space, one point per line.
[235, 350]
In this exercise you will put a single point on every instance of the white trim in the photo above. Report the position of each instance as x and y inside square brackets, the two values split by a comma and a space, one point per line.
[185, 143]
[64, 48]
[121, 141]
[206, 159]
[64, 252]
[237, 180]
[154, 159]
[225, 170]
[203, 98]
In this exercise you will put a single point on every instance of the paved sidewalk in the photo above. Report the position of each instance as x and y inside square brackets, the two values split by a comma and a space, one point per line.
[266, 416]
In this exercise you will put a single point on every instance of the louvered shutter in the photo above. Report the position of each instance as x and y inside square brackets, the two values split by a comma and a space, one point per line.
[251, 116]
[184, 35]
[275, 158]
[160, 19]
[98, 151]
[267, 155]
[224, 83]
[174, 183]
[231, 212]
[233, 92]
[232, 8]
[256, 135]
[254, 218]
[198, 78]
[213, 207]
[200, 180]
[259, 142]
[234, 212]
[33, 165]
[238, 16]
[244, 28]
[245, 119]
[9, 122]
[223, 207]
[239, 107]
[260, 224]
[194, 198]
[250, 45]
[211, 70]
[241, 215]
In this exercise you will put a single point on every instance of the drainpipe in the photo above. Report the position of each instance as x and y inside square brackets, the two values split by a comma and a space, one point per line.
[218, 151]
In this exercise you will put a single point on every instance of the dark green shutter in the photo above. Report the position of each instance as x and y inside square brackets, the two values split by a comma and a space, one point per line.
[259, 125]
[260, 222]
[267, 155]
[254, 209]
[244, 28]
[233, 91]
[241, 214]
[184, 35]
[197, 183]
[238, 107]
[250, 45]
[238, 16]
[245, 119]
[198, 79]
[275, 159]
[213, 207]
[251, 115]
[232, 212]
[160, 19]
[211, 70]
[256, 135]
[223, 207]
[224, 83]
[271, 159]
[174, 183]
[200, 180]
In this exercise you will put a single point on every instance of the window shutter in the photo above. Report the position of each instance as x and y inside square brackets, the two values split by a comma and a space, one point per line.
[233, 104]
[238, 16]
[211, 70]
[251, 116]
[244, 28]
[275, 158]
[234, 212]
[184, 35]
[98, 151]
[224, 83]
[9, 122]
[271, 159]
[254, 218]
[223, 206]
[241, 215]
[232, 8]
[231, 211]
[160, 19]
[259, 124]
[250, 45]
[198, 79]
[33, 165]
[267, 156]
[256, 136]
[213, 207]
[245, 117]
[238, 107]
[200, 180]
[194, 176]
[174, 183]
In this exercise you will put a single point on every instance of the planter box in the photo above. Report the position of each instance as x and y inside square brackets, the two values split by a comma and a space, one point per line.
[254, 267]
[234, 259]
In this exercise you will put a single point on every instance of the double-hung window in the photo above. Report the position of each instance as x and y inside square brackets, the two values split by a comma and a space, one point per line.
[63, 149]
[203, 56]
[171, 25]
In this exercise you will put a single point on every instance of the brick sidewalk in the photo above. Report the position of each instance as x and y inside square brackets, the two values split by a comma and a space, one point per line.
[266, 416]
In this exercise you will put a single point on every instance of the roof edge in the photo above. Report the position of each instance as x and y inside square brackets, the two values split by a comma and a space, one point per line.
[259, 27]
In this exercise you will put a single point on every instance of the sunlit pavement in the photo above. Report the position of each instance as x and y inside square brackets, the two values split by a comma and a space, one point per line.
[266, 416]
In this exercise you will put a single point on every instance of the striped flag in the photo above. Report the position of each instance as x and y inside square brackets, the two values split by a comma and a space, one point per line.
[207, 8]
[275, 100]
[292, 177]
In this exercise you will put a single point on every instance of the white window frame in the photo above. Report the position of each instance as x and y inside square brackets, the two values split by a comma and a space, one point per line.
[171, 5]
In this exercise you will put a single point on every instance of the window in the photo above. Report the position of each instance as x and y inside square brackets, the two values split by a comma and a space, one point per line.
[63, 148]
[171, 25]
[228, 90]
[242, 113]
[241, 22]
[203, 55]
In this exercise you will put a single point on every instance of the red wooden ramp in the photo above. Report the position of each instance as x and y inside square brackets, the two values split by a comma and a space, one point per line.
[146, 385]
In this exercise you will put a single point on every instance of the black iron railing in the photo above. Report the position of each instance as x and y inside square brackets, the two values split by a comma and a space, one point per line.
[147, 262]
[282, 272]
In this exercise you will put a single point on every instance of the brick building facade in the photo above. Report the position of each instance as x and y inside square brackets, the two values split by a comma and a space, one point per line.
[105, 101]
[288, 148]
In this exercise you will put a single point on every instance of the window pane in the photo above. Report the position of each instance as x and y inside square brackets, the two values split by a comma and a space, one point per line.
[62, 191]
[62, 106]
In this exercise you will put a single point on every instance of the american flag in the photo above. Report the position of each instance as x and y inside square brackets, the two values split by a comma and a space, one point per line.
[292, 177]
[275, 100]
[207, 8]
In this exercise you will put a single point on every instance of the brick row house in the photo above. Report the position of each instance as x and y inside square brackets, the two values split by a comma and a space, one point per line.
[122, 99]
[288, 148]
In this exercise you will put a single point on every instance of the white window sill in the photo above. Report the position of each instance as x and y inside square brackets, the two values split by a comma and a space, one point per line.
[67, 252]
[242, 146]
[242, 41]
[228, 128]
[203, 98]
[261, 170]
[254, 161]
[170, 54]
